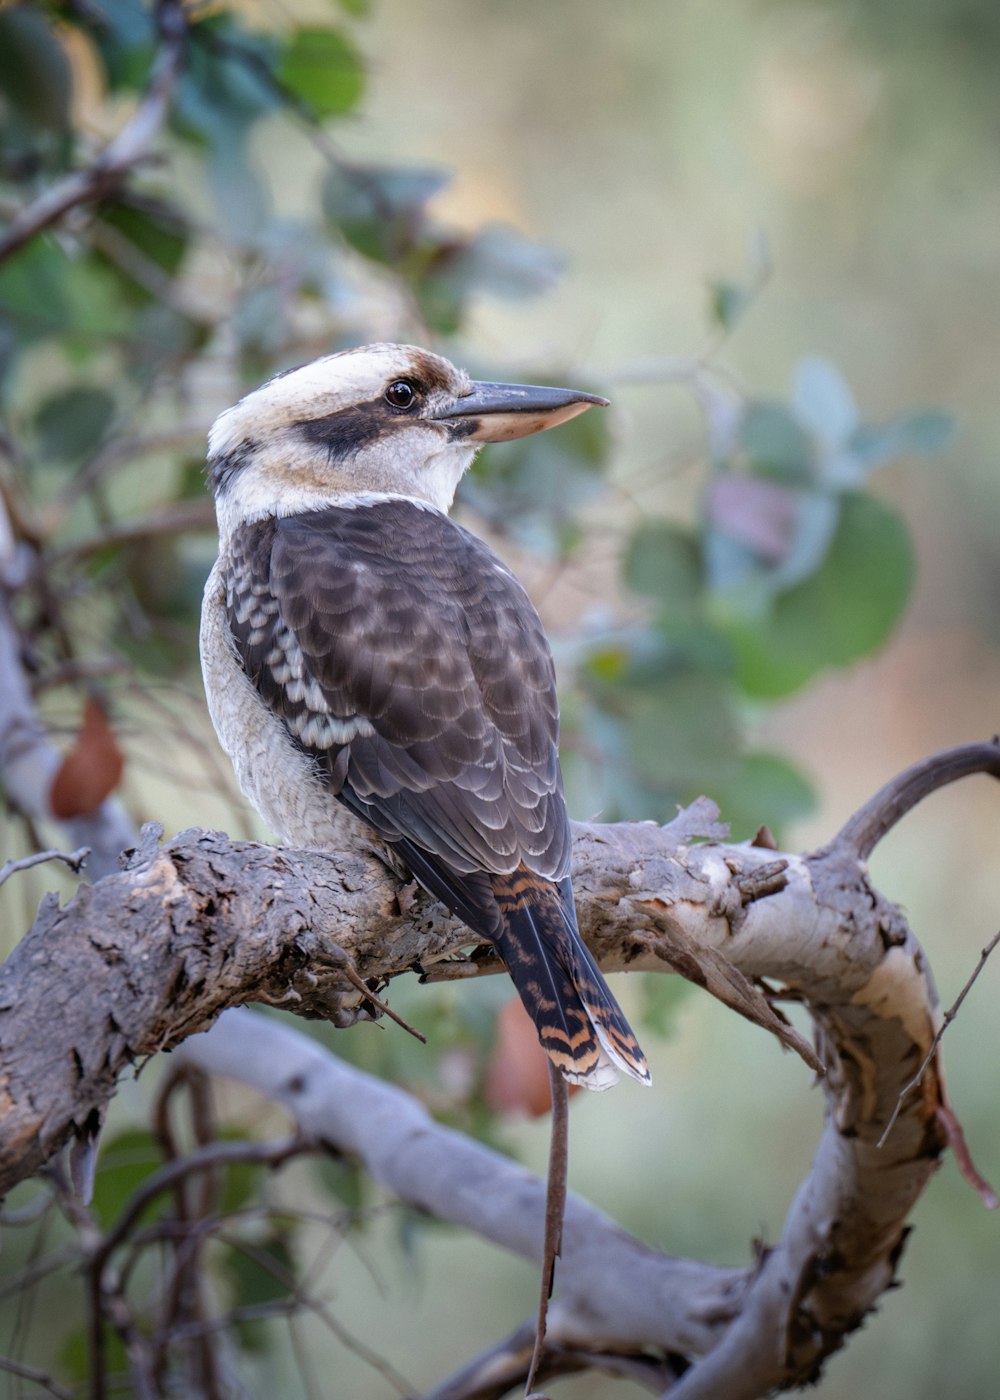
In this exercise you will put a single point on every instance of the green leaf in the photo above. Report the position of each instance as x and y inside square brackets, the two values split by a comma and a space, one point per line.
[505, 263]
[533, 486]
[682, 733]
[322, 68]
[226, 84]
[766, 791]
[822, 401]
[663, 561]
[126, 40]
[727, 302]
[71, 423]
[158, 233]
[842, 612]
[343, 1180]
[35, 76]
[257, 1278]
[126, 1161]
[775, 444]
[923, 433]
[446, 271]
[34, 295]
[75, 1354]
[380, 210]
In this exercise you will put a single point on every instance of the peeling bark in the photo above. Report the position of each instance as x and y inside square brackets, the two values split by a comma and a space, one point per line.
[203, 923]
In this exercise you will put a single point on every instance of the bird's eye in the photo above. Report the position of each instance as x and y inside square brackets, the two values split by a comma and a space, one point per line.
[401, 394]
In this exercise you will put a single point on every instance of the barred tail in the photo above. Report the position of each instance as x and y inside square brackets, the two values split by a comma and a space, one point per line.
[580, 1025]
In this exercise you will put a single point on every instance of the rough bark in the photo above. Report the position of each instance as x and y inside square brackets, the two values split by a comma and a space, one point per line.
[203, 923]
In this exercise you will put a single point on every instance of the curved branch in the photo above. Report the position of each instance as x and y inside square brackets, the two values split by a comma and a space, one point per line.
[862, 832]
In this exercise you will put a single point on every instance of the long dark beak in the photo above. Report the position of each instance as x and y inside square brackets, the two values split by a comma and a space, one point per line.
[500, 412]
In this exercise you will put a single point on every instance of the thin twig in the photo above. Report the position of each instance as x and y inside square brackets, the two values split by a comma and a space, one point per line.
[28, 1373]
[218, 1154]
[74, 859]
[182, 518]
[383, 1006]
[123, 152]
[946, 1021]
[555, 1212]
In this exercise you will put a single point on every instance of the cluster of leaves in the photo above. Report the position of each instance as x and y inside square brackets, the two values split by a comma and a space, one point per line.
[791, 567]
[113, 318]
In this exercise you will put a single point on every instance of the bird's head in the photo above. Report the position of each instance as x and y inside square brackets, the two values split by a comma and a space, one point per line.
[380, 420]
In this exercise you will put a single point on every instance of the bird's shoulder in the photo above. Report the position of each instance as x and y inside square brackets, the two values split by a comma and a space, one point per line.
[390, 611]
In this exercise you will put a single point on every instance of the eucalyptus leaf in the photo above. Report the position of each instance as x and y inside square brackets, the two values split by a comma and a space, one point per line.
[70, 424]
[323, 68]
[775, 444]
[767, 790]
[35, 75]
[727, 302]
[127, 1160]
[841, 612]
[822, 400]
[663, 561]
[380, 210]
[923, 433]
[34, 291]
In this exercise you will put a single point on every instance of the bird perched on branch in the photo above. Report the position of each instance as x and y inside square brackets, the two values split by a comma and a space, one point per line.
[366, 659]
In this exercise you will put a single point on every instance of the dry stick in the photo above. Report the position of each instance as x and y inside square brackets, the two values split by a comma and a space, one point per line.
[379, 1004]
[74, 859]
[555, 1211]
[946, 1021]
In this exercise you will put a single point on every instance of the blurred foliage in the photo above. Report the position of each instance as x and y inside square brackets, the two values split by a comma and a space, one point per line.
[126, 324]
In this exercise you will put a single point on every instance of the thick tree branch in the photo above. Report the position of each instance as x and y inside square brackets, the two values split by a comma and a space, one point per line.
[204, 923]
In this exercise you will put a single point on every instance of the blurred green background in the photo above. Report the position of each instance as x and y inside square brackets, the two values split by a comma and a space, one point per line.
[660, 148]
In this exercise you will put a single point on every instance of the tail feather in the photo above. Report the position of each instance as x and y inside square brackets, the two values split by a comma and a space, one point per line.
[580, 1025]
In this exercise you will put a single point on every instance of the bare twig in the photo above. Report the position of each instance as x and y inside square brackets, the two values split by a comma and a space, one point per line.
[123, 152]
[74, 859]
[29, 1373]
[120, 451]
[216, 1154]
[180, 519]
[946, 1021]
[357, 981]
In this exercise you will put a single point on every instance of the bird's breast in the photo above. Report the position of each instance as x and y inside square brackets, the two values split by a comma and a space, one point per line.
[272, 771]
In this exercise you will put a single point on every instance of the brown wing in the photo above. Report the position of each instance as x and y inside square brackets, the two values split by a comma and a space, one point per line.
[406, 658]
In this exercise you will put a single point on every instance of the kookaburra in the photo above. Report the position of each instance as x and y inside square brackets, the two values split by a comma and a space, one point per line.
[368, 660]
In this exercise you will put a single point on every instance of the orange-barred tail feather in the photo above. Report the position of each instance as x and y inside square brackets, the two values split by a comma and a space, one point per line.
[580, 1025]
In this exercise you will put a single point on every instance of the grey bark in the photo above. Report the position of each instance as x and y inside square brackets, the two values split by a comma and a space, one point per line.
[204, 923]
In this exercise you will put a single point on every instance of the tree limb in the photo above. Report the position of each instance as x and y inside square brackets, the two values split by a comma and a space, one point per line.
[205, 923]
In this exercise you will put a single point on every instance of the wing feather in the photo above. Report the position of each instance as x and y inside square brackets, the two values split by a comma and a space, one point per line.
[391, 632]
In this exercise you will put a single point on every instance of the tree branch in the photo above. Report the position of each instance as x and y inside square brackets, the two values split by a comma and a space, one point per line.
[205, 923]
